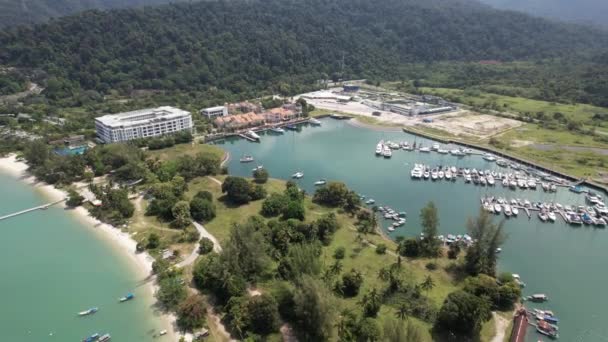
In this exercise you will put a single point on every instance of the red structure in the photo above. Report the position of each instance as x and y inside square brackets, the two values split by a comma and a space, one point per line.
[520, 324]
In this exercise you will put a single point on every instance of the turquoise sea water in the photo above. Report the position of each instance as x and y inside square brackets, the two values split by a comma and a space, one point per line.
[566, 263]
[52, 266]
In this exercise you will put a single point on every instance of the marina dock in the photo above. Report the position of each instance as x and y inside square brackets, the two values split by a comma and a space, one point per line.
[41, 207]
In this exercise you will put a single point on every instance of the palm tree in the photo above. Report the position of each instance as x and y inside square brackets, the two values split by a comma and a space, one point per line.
[336, 268]
[428, 284]
[403, 312]
[343, 325]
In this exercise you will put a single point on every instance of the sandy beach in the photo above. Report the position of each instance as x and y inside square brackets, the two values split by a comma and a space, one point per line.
[121, 241]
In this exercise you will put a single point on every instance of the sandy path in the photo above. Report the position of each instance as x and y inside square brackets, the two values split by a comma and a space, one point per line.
[501, 327]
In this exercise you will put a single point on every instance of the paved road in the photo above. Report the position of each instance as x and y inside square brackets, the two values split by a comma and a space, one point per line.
[195, 253]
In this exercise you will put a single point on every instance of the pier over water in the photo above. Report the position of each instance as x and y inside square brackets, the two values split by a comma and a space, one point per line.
[40, 207]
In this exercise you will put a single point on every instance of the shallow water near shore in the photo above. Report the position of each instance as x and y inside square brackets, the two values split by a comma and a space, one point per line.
[52, 266]
[566, 263]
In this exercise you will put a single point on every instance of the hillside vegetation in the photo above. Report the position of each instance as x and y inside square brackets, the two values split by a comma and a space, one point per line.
[23, 12]
[249, 46]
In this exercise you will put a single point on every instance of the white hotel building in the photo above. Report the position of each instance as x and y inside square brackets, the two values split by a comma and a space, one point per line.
[144, 123]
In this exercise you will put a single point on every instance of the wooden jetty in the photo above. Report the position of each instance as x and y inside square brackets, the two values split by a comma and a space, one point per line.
[40, 207]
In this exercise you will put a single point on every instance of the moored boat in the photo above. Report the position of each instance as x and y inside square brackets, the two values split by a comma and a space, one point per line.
[91, 338]
[253, 135]
[314, 122]
[298, 175]
[278, 130]
[320, 182]
[88, 312]
[105, 337]
[128, 297]
[538, 298]
[246, 159]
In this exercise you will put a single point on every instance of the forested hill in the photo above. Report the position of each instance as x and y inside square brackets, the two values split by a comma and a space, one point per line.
[581, 11]
[236, 44]
[21, 12]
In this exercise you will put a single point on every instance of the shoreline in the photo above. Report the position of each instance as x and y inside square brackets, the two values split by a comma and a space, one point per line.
[355, 122]
[121, 242]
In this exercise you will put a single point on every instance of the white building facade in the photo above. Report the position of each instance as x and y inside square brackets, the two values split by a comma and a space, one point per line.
[214, 112]
[144, 123]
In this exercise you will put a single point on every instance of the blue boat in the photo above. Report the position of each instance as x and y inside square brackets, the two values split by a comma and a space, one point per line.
[576, 189]
[91, 338]
[550, 319]
[128, 297]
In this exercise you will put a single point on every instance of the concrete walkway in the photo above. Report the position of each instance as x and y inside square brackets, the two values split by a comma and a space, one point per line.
[195, 253]
[501, 327]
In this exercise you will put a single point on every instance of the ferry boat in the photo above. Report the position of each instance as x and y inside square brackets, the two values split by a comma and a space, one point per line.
[314, 122]
[320, 182]
[278, 130]
[88, 312]
[246, 159]
[128, 297]
[298, 175]
[104, 338]
[91, 338]
[253, 135]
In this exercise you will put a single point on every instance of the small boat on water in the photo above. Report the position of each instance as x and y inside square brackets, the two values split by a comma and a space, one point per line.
[104, 338]
[515, 211]
[543, 216]
[278, 130]
[467, 178]
[257, 168]
[508, 211]
[314, 122]
[538, 298]
[497, 208]
[370, 201]
[546, 329]
[425, 149]
[320, 182]
[298, 175]
[88, 312]
[253, 135]
[162, 333]
[489, 157]
[379, 148]
[442, 151]
[552, 217]
[128, 297]
[92, 338]
[387, 152]
[502, 163]
[246, 159]
[291, 127]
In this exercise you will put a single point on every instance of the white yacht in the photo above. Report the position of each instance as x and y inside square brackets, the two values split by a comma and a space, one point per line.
[320, 182]
[515, 211]
[441, 174]
[426, 174]
[246, 159]
[425, 149]
[442, 151]
[497, 208]
[491, 181]
[386, 152]
[489, 157]
[552, 217]
[277, 130]
[252, 135]
[298, 175]
[508, 211]
[314, 122]
[379, 148]
[435, 147]
[467, 178]
[531, 183]
[416, 172]
[448, 175]
[434, 175]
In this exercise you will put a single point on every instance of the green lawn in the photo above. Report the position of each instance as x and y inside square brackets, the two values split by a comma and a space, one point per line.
[358, 255]
[518, 104]
[185, 149]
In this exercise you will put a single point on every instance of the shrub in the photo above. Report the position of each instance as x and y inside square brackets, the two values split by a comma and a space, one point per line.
[381, 249]
[409, 248]
[273, 205]
[205, 246]
[351, 283]
[260, 176]
[339, 253]
[202, 210]
[431, 266]
[191, 312]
